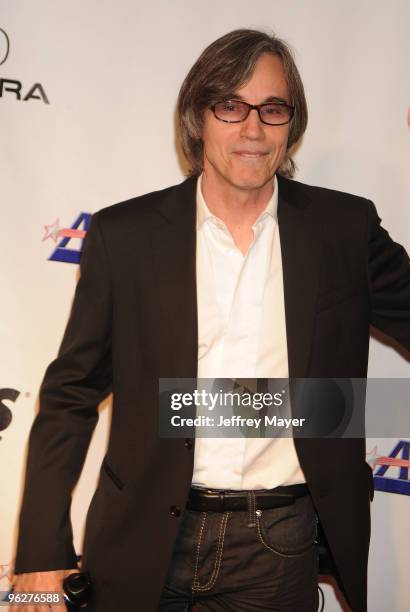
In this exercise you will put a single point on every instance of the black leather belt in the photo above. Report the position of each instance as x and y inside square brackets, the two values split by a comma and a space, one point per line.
[214, 500]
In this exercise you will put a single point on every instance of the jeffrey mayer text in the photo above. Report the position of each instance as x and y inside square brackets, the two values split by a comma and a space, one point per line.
[236, 421]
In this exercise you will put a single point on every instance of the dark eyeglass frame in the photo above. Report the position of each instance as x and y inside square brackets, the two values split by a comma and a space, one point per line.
[257, 107]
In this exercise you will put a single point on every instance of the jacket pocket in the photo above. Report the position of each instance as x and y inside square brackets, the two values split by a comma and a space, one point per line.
[112, 475]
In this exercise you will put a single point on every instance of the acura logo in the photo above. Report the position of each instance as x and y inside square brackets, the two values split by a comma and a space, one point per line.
[4, 46]
[13, 87]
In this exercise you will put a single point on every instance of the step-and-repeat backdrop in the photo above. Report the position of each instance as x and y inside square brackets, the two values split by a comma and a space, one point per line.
[87, 114]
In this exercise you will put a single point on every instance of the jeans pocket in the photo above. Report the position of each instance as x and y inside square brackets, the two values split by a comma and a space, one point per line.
[290, 531]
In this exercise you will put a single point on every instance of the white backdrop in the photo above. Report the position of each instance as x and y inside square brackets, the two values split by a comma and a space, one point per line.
[107, 69]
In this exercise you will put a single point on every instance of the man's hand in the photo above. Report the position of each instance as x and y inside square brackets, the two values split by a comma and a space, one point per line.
[41, 582]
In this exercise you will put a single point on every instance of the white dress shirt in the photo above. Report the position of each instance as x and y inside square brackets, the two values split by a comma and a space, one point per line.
[241, 334]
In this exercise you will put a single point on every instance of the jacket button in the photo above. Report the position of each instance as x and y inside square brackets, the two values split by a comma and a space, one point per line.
[174, 511]
[188, 443]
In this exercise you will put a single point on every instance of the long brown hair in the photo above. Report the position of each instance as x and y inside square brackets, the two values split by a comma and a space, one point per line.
[223, 67]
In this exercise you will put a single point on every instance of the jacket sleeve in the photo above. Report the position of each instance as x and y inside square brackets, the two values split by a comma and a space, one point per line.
[389, 282]
[73, 386]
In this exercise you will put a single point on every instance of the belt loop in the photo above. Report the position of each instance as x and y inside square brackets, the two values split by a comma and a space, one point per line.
[222, 501]
[251, 508]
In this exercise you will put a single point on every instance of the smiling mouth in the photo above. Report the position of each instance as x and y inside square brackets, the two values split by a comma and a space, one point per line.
[250, 154]
[249, 157]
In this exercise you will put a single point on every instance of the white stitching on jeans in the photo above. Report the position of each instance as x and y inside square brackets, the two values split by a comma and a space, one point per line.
[195, 583]
[198, 547]
[266, 545]
[218, 558]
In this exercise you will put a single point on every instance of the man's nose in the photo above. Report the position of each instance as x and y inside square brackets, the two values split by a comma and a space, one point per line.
[252, 127]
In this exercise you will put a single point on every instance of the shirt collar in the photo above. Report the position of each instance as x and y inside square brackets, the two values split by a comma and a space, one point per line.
[203, 213]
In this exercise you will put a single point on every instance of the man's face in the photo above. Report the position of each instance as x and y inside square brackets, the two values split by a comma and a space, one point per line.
[246, 155]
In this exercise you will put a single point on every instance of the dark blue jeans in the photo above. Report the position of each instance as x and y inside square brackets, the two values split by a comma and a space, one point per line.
[245, 561]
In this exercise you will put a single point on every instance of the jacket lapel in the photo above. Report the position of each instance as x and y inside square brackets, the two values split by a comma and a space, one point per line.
[174, 261]
[300, 237]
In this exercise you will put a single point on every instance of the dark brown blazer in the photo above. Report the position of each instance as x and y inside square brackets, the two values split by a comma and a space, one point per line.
[134, 319]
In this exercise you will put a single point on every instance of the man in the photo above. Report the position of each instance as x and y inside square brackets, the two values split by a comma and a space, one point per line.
[238, 273]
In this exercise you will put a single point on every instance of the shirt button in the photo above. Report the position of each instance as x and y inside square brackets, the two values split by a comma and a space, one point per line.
[175, 511]
[188, 443]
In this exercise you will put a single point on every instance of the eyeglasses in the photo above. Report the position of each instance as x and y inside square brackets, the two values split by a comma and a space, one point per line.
[271, 113]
